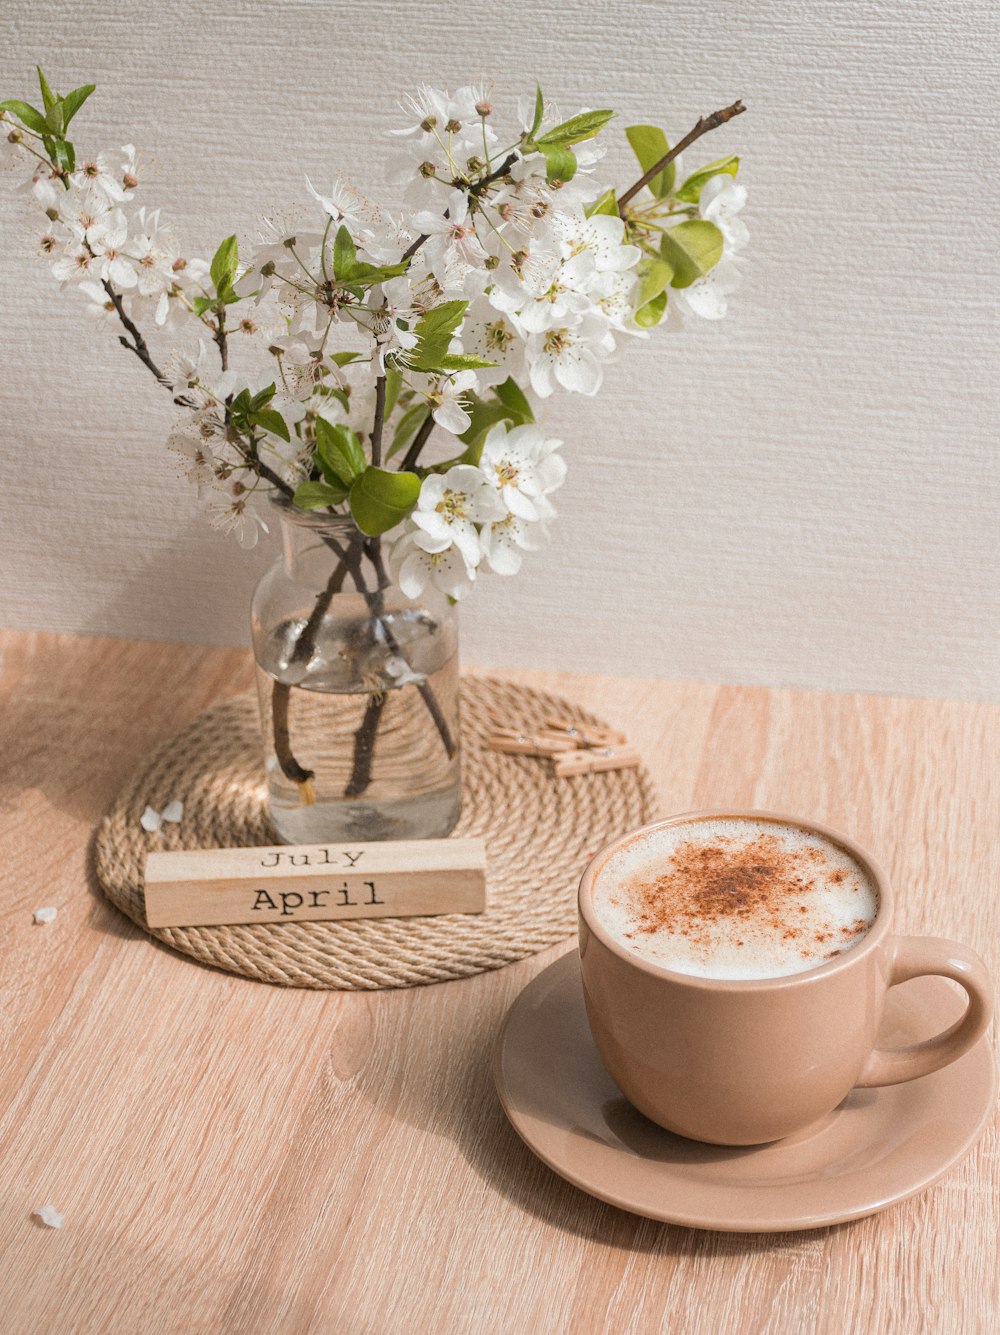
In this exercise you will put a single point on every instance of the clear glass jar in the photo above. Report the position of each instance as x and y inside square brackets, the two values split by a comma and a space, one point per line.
[358, 689]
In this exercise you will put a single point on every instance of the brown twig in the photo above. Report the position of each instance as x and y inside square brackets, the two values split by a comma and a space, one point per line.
[364, 746]
[290, 767]
[426, 694]
[302, 651]
[379, 421]
[417, 444]
[219, 336]
[138, 345]
[704, 124]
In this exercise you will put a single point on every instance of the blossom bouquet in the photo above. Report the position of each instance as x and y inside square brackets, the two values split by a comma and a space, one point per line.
[393, 364]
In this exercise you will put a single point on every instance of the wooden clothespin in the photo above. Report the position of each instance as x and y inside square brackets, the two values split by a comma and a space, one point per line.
[586, 734]
[593, 761]
[515, 743]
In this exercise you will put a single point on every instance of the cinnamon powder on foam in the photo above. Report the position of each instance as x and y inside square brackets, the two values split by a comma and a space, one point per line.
[757, 884]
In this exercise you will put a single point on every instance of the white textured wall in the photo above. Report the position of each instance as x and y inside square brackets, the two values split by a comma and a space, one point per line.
[805, 494]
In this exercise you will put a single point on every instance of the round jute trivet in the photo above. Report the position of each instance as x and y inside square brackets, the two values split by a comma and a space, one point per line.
[539, 833]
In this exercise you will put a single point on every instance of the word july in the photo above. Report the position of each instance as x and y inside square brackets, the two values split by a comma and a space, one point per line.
[317, 857]
[292, 900]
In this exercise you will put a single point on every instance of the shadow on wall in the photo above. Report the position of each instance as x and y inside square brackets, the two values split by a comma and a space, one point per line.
[195, 588]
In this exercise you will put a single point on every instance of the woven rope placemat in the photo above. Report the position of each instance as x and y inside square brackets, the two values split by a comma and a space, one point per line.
[539, 833]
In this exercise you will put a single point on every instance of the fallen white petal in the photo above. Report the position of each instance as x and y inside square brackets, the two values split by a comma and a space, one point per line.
[173, 811]
[150, 820]
[48, 1214]
[45, 915]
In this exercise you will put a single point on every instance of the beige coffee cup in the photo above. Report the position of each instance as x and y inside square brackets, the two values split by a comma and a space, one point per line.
[741, 1062]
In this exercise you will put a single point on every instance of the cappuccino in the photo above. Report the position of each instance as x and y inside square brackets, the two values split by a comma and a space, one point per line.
[735, 898]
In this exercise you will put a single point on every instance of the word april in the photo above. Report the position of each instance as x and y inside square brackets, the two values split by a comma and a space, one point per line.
[315, 899]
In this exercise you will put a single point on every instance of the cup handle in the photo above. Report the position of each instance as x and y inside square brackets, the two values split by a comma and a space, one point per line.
[913, 957]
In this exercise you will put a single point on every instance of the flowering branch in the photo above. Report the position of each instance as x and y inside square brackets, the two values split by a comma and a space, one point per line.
[703, 125]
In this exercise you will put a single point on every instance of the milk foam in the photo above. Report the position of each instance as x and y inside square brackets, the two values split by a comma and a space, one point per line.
[735, 899]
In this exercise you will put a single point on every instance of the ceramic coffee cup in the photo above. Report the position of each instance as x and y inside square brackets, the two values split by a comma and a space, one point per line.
[741, 1062]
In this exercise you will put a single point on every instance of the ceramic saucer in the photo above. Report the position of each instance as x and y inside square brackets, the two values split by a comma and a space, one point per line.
[877, 1148]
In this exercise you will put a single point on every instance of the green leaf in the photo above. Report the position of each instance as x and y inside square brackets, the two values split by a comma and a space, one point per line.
[691, 249]
[560, 163]
[338, 452]
[63, 155]
[203, 304]
[653, 311]
[607, 204]
[536, 123]
[73, 101]
[393, 384]
[224, 263]
[345, 256]
[27, 115]
[380, 500]
[370, 274]
[512, 397]
[692, 187]
[345, 358]
[575, 130]
[649, 145]
[407, 427]
[55, 118]
[463, 361]
[48, 96]
[318, 495]
[654, 275]
[262, 398]
[434, 331]
[271, 420]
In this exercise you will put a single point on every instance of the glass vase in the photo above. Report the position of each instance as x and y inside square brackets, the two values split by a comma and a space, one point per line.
[358, 688]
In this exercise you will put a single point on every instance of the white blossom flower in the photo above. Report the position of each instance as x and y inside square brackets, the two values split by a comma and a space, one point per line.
[193, 440]
[450, 506]
[341, 204]
[236, 517]
[415, 567]
[598, 242]
[496, 337]
[96, 177]
[524, 467]
[446, 399]
[505, 540]
[436, 109]
[570, 356]
[132, 169]
[706, 296]
[75, 262]
[720, 201]
[154, 251]
[107, 239]
[452, 244]
[100, 306]
[543, 293]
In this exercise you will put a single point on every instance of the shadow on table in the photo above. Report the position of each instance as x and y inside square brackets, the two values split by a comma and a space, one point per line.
[456, 1098]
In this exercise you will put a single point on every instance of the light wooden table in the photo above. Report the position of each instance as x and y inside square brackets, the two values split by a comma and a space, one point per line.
[235, 1157]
